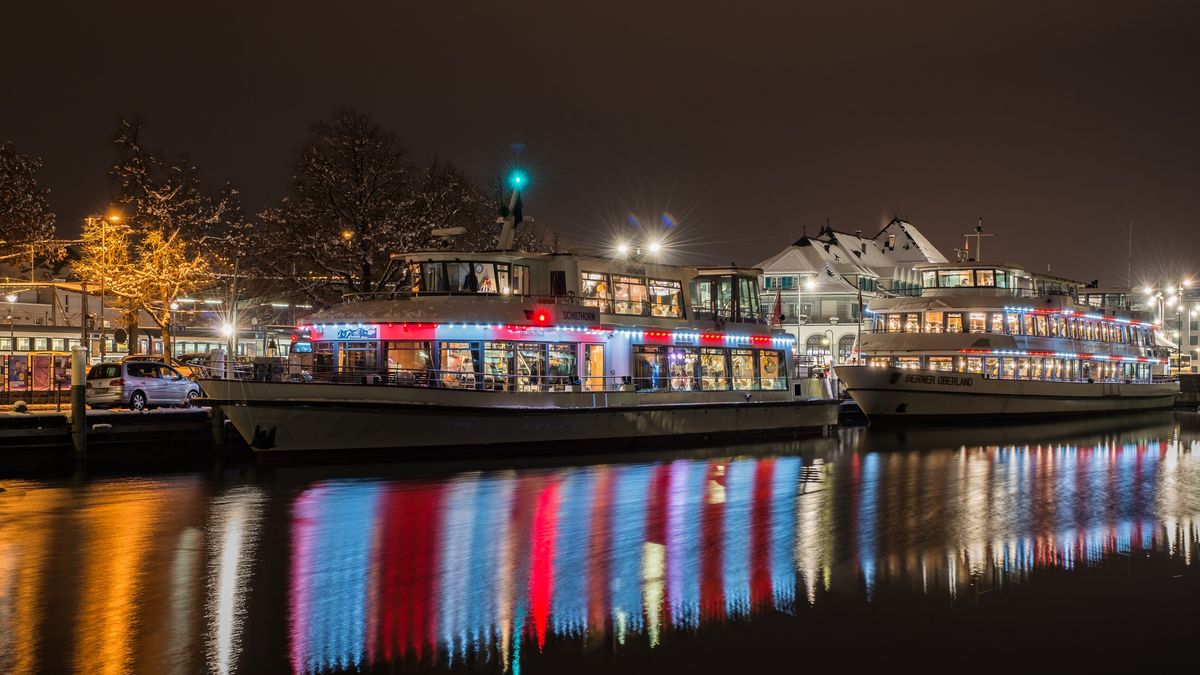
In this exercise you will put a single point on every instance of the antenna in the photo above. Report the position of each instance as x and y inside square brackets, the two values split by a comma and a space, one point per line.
[1129, 259]
[978, 235]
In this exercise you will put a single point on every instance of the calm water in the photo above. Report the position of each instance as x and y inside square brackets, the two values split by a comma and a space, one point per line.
[980, 548]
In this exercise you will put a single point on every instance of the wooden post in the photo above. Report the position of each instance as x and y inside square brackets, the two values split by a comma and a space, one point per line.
[78, 400]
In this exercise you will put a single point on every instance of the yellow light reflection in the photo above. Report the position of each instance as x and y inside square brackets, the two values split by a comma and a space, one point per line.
[117, 523]
[27, 515]
[654, 557]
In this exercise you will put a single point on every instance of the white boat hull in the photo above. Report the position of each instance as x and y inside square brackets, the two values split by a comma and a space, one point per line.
[283, 417]
[895, 393]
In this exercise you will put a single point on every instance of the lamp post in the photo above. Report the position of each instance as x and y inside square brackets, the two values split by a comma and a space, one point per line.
[809, 283]
[1170, 295]
[104, 221]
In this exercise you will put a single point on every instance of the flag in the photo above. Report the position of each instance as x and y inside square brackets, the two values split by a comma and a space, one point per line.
[777, 313]
[517, 215]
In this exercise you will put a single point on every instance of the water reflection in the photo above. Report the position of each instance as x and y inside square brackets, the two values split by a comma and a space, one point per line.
[480, 567]
[501, 570]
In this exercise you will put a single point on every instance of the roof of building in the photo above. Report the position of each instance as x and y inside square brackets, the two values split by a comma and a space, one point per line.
[898, 244]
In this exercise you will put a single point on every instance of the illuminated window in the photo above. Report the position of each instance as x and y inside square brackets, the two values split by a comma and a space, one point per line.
[713, 372]
[771, 373]
[666, 298]
[985, 277]
[741, 366]
[934, 322]
[944, 363]
[630, 296]
[594, 289]
[955, 279]
[978, 322]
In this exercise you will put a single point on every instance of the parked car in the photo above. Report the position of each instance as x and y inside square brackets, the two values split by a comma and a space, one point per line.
[203, 364]
[189, 371]
[139, 385]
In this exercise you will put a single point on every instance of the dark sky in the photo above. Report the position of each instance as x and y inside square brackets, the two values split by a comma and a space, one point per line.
[1058, 123]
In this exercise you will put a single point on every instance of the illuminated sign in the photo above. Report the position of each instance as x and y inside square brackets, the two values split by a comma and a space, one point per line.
[579, 314]
[358, 333]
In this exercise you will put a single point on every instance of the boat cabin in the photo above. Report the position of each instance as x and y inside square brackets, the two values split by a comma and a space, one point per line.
[504, 321]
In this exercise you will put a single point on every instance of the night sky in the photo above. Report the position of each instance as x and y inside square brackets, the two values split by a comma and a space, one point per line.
[1058, 123]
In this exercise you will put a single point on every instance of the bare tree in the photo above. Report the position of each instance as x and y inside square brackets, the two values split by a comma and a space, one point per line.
[26, 221]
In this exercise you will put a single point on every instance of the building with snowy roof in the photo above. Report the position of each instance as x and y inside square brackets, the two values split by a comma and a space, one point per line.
[817, 280]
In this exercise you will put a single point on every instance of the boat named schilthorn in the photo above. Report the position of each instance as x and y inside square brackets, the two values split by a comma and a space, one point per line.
[988, 340]
[522, 349]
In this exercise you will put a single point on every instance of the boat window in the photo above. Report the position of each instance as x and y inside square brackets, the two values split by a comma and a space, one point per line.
[1001, 279]
[954, 322]
[978, 322]
[471, 277]
[520, 280]
[929, 279]
[433, 278]
[725, 297]
[1042, 325]
[770, 369]
[1014, 323]
[683, 362]
[408, 359]
[944, 363]
[912, 362]
[497, 360]
[593, 288]
[879, 362]
[991, 367]
[997, 322]
[1035, 368]
[741, 365]
[458, 365]
[893, 323]
[630, 295]
[356, 357]
[713, 373]
[954, 278]
[666, 298]
[649, 367]
[934, 322]
[1029, 330]
[702, 296]
[974, 364]
[563, 367]
[502, 278]
[594, 367]
[985, 277]
[1010, 368]
[912, 323]
[747, 299]
[529, 365]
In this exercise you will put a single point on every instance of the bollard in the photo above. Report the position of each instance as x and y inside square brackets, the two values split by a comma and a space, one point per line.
[78, 414]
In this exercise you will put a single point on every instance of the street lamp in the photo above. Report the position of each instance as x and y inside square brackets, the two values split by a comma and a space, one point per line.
[1170, 295]
[114, 218]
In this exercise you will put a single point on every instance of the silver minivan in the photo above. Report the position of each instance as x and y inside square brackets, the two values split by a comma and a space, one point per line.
[138, 385]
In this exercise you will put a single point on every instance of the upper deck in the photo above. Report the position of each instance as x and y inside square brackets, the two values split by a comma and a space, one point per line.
[559, 289]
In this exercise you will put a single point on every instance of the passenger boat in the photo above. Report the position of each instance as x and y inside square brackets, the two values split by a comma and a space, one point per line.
[987, 340]
[524, 349]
